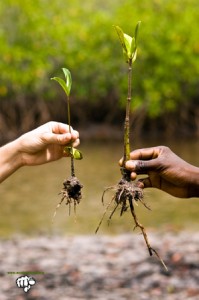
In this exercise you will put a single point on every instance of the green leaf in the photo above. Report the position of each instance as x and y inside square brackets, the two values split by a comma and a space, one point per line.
[67, 151]
[128, 43]
[133, 47]
[136, 32]
[73, 152]
[77, 154]
[66, 85]
[125, 56]
[121, 37]
[62, 83]
[68, 77]
[134, 55]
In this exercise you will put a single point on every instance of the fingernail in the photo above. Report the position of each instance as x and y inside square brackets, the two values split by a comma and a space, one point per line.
[130, 165]
[121, 162]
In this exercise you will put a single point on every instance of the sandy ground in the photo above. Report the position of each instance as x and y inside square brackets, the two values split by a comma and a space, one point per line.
[101, 267]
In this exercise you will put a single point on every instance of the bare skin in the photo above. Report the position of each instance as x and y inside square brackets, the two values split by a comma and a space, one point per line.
[166, 171]
[39, 146]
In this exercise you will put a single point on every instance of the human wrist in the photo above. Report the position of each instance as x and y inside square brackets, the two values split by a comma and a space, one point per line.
[10, 159]
[15, 153]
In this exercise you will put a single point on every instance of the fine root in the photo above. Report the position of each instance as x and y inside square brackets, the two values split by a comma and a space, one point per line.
[71, 194]
[127, 193]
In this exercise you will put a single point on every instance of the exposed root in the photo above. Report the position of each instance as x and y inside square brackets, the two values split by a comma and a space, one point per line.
[127, 193]
[71, 193]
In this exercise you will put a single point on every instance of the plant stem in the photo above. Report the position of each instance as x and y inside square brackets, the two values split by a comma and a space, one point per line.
[72, 167]
[69, 124]
[127, 119]
[68, 113]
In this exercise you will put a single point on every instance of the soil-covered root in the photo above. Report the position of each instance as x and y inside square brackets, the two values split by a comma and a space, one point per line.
[71, 193]
[127, 193]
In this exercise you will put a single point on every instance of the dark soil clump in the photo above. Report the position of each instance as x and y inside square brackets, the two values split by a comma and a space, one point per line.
[72, 190]
[71, 193]
[126, 193]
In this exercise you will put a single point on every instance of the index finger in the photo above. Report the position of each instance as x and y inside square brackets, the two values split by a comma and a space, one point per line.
[59, 128]
[145, 153]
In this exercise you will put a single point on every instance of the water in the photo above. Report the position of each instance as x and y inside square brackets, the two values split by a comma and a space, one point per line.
[29, 197]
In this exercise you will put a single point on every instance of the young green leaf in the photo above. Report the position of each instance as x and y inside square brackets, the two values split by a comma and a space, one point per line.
[133, 47]
[68, 77]
[62, 83]
[136, 32]
[73, 152]
[129, 44]
[66, 85]
[77, 154]
[121, 37]
[134, 56]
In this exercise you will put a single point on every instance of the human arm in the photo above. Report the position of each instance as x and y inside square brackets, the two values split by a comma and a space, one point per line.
[166, 171]
[41, 145]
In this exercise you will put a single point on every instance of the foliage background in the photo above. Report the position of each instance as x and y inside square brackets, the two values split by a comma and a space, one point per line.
[38, 38]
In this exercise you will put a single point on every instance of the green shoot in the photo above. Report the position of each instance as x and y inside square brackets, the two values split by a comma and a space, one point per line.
[129, 47]
[66, 85]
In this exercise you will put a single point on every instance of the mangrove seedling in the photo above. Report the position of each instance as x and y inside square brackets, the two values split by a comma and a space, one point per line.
[71, 191]
[128, 193]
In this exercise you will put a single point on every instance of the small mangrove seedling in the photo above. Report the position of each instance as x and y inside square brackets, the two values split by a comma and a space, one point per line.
[71, 191]
[128, 193]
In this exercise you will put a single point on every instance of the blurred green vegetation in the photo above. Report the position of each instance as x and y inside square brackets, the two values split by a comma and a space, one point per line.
[38, 38]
